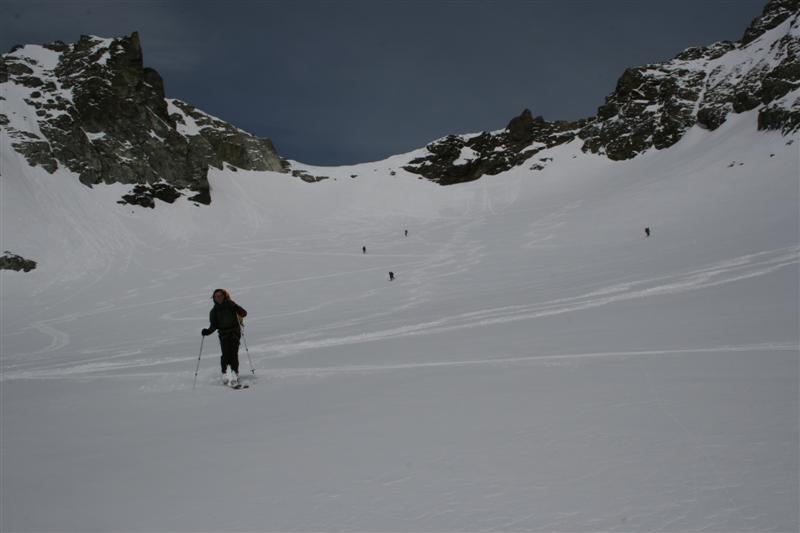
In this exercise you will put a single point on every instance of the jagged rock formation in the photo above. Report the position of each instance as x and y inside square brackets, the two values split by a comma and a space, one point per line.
[308, 178]
[652, 106]
[460, 158]
[103, 115]
[93, 107]
[9, 261]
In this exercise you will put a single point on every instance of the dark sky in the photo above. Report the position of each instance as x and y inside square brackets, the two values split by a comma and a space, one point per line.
[354, 81]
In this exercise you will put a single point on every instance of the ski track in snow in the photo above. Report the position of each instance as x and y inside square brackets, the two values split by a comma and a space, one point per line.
[39, 364]
[102, 367]
[730, 271]
[61, 340]
[661, 398]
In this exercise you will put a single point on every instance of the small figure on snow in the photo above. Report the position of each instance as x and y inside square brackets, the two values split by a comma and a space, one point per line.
[225, 318]
[391, 276]
[406, 233]
[363, 249]
[647, 232]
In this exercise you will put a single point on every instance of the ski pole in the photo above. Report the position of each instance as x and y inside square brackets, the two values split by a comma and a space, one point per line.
[203, 338]
[252, 368]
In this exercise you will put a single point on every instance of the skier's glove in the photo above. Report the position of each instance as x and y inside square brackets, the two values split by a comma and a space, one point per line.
[206, 332]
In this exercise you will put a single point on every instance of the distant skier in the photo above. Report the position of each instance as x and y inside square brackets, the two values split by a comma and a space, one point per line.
[363, 249]
[647, 232]
[406, 233]
[391, 276]
[225, 317]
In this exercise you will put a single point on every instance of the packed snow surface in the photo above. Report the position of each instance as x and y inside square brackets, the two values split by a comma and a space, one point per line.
[538, 364]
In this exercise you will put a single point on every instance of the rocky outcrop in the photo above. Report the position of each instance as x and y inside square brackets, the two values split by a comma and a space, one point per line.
[9, 261]
[102, 114]
[146, 195]
[228, 143]
[94, 108]
[775, 12]
[461, 158]
[653, 106]
[308, 178]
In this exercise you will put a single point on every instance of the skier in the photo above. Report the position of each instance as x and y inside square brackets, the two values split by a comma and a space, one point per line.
[363, 249]
[225, 318]
[647, 232]
[406, 233]
[391, 276]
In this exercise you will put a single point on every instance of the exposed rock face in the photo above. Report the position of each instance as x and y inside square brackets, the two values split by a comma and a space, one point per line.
[103, 115]
[95, 108]
[146, 195]
[652, 106]
[775, 12]
[228, 143]
[308, 178]
[9, 261]
[461, 158]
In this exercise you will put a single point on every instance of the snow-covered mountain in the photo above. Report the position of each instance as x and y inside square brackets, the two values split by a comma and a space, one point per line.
[93, 108]
[538, 363]
[653, 106]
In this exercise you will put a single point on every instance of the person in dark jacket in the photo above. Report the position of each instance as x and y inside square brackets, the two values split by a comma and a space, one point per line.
[225, 318]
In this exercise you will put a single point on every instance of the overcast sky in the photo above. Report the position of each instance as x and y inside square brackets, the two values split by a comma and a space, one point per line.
[354, 81]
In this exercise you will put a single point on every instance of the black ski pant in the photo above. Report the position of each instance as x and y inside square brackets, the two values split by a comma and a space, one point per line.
[230, 351]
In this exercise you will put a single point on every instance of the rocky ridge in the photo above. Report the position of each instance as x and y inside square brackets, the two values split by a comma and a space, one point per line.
[9, 261]
[94, 108]
[652, 106]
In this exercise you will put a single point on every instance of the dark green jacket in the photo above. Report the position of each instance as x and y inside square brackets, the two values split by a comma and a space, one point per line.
[223, 317]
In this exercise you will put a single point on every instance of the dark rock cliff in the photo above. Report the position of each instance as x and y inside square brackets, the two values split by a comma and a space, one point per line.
[102, 114]
[652, 106]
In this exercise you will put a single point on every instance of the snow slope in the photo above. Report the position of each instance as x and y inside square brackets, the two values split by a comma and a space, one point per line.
[537, 365]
